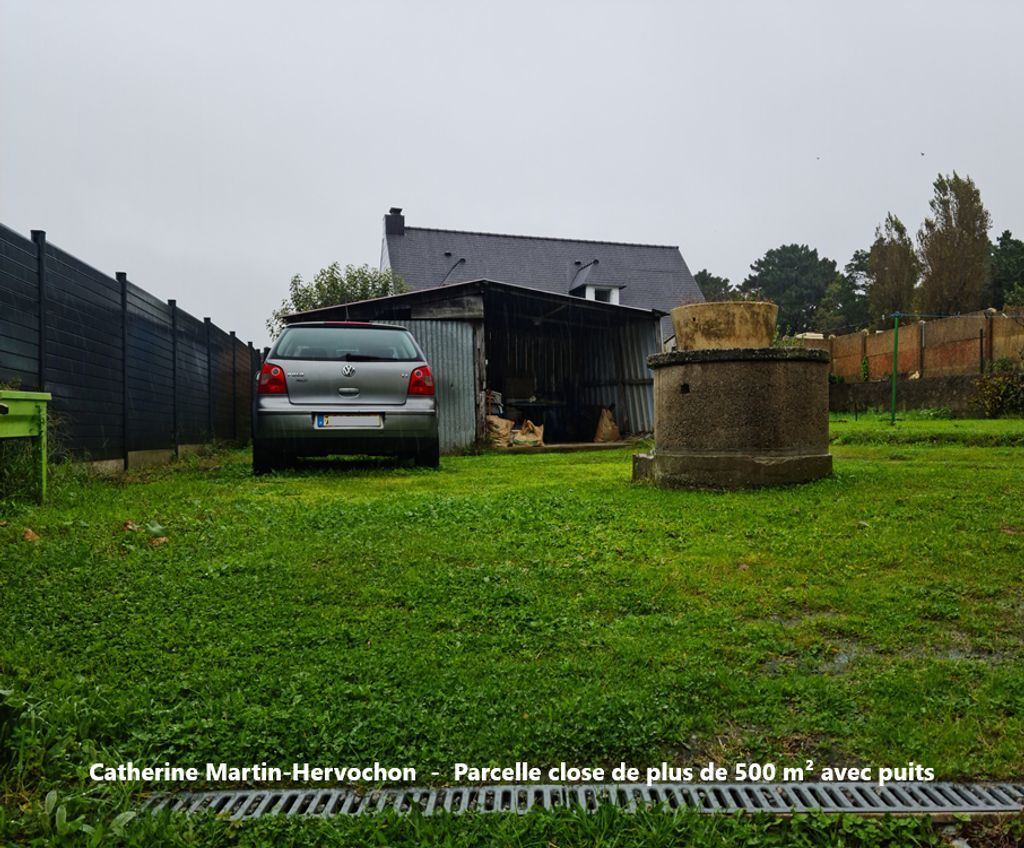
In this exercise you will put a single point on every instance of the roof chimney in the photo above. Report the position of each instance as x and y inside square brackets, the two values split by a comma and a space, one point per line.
[394, 222]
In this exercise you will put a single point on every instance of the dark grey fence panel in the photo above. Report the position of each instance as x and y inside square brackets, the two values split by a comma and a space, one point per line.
[220, 390]
[243, 390]
[19, 310]
[150, 372]
[83, 363]
[193, 390]
[128, 372]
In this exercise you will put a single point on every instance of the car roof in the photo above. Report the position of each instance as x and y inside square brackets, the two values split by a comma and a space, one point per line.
[363, 324]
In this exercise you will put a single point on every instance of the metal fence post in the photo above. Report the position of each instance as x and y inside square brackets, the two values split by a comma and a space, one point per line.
[39, 237]
[234, 387]
[174, 372]
[251, 379]
[990, 336]
[122, 278]
[863, 366]
[207, 325]
[920, 348]
[895, 360]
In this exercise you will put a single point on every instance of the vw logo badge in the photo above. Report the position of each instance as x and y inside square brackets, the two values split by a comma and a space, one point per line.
[348, 370]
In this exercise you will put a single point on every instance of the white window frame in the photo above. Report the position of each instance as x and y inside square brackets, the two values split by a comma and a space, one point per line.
[613, 294]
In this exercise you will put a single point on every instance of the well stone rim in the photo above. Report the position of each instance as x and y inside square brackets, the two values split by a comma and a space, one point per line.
[740, 354]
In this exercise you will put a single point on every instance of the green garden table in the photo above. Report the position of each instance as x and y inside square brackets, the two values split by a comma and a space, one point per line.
[23, 415]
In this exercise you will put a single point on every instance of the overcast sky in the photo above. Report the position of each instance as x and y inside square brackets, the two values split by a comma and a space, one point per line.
[212, 149]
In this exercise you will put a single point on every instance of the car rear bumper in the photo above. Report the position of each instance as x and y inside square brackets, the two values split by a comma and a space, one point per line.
[405, 429]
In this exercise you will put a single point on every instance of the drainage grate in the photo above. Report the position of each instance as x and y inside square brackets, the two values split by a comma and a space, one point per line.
[896, 799]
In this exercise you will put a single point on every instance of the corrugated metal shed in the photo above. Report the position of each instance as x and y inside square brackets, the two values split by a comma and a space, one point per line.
[556, 358]
[449, 349]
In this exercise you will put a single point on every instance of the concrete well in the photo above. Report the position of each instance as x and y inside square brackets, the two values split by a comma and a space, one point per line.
[729, 419]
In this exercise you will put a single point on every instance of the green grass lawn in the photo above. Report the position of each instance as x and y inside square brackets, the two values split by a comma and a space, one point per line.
[507, 608]
[923, 427]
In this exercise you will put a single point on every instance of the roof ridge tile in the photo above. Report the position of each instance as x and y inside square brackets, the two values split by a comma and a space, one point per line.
[542, 238]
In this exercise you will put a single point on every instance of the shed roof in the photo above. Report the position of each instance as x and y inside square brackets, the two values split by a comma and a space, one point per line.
[398, 305]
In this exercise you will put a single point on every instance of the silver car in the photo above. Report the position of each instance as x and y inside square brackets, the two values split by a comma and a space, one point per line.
[332, 387]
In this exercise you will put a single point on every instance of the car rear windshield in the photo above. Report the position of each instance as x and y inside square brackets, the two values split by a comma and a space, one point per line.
[347, 344]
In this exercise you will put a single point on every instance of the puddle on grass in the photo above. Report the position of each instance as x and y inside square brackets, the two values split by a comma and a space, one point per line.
[809, 618]
[752, 742]
[822, 643]
[836, 657]
[959, 647]
[841, 656]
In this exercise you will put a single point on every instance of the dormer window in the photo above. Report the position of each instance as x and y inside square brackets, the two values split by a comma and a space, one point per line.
[602, 294]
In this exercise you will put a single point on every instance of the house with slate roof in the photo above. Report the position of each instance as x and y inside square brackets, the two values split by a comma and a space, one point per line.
[648, 276]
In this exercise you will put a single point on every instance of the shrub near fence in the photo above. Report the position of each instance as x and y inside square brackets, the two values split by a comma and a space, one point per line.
[132, 377]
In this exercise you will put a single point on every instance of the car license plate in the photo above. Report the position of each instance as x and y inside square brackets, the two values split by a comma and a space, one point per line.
[342, 420]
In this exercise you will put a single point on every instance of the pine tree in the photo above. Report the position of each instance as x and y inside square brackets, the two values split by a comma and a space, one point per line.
[893, 271]
[954, 249]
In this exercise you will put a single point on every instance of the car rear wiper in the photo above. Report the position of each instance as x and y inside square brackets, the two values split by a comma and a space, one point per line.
[362, 357]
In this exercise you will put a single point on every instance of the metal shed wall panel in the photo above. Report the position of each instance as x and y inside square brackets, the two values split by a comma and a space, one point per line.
[548, 354]
[638, 342]
[614, 371]
[449, 349]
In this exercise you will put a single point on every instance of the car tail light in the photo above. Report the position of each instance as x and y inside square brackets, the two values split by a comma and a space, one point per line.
[272, 380]
[421, 381]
